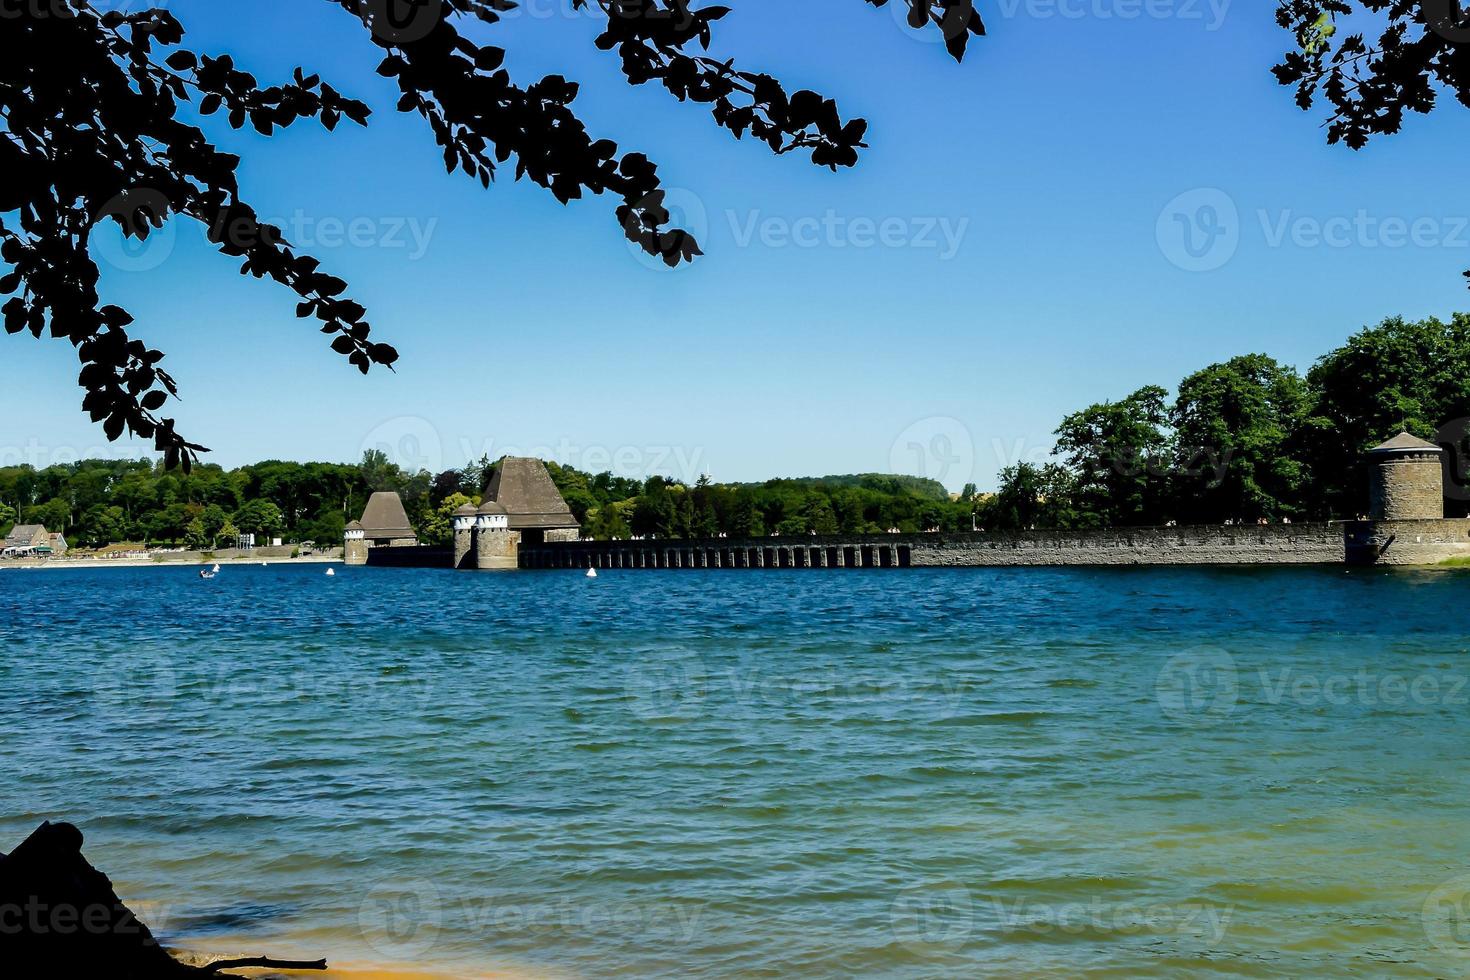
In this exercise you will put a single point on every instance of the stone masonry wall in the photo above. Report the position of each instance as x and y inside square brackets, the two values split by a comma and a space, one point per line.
[1408, 488]
[1425, 542]
[1275, 544]
[497, 549]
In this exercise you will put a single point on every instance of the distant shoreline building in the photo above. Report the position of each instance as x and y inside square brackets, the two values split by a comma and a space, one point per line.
[30, 540]
[384, 524]
[523, 522]
[521, 506]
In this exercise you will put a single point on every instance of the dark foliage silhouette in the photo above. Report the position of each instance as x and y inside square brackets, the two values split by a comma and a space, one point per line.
[1422, 51]
[1423, 47]
[93, 131]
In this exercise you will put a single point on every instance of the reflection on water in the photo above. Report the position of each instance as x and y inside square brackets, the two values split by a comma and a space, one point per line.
[984, 771]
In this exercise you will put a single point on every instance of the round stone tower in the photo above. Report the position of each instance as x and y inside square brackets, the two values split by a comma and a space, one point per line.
[354, 544]
[463, 521]
[496, 545]
[1406, 480]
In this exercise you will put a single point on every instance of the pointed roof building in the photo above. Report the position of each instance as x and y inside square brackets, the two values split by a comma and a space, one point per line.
[384, 518]
[523, 487]
[1404, 443]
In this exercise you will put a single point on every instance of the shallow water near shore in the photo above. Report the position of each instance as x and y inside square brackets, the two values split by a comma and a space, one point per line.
[982, 772]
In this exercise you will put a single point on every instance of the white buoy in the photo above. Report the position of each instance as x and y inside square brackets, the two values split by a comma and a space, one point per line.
[591, 573]
[331, 571]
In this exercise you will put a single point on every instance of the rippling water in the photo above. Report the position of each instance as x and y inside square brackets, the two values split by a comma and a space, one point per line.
[960, 772]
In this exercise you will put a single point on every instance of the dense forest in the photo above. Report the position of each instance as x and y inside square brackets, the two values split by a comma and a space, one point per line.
[1241, 440]
[1251, 439]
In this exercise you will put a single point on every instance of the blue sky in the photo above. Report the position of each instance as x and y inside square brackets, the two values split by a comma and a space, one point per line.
[1011, 248]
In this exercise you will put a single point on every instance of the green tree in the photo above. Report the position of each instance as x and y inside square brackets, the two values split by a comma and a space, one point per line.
[439, 528]
[1041, 497]
[1400, 375]
[195, 536]
[608, 523]
[656, 513]
[260, 518]
[213, 518]
[1237, 430]
[791, 526]
[818, 514]
[1118, 452]
[745, 519]
[167, 524]
[229, 534]
[103, 526]
[55, 514]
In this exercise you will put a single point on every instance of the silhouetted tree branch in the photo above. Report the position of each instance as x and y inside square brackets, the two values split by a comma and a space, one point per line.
[90, 103]
[1423, 49]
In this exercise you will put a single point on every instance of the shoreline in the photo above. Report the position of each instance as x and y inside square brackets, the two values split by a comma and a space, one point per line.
[63, 564]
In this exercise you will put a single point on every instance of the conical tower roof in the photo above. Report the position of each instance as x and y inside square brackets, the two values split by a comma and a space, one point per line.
[523, 487]
[385, 519]
[1403, 443]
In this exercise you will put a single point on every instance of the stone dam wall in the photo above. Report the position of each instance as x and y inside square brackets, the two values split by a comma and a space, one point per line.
[1414, 542]
[1411, 542]
[1276, 544]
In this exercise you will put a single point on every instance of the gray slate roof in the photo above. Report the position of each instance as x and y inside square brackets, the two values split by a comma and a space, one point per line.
[385, 519]
[523, 487]
[1405, 443]
[25, 535]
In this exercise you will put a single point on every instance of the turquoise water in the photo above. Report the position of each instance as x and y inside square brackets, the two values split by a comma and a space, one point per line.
[971, 772]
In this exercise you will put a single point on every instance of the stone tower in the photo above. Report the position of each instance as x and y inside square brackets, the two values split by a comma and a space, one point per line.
[354, 547]
[1406, 480]
[463, 522]
[496, 545]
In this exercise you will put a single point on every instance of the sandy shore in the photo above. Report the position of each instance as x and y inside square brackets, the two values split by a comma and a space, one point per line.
[368, 971]
[59, 564]
[347, 970]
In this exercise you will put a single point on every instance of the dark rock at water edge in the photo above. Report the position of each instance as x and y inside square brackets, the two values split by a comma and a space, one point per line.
[60, 917]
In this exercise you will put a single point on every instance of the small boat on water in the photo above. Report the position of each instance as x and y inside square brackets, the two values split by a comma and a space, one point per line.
[207, 573]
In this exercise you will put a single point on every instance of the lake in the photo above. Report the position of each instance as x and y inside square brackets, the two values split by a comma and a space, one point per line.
[969, 772]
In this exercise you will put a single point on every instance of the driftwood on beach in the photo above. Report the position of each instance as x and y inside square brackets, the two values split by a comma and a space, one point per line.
[59, 916]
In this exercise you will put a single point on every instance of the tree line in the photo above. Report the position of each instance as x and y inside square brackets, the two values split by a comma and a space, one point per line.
[1251, 439]
[100, 502]
[1242, 440]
